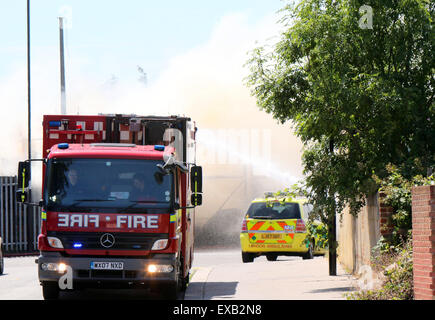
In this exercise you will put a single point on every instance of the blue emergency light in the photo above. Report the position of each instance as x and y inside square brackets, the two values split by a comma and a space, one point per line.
[54, 124]
[159, 147]
[63, 145]
[77, 245]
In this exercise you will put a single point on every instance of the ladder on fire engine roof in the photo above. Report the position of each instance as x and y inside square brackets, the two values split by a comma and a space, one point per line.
[150, 118]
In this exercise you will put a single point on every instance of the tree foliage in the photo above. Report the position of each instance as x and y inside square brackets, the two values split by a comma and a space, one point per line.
[398, 195]
[359, 99]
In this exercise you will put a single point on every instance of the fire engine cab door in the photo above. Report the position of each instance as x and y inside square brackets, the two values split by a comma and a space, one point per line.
[188, 216]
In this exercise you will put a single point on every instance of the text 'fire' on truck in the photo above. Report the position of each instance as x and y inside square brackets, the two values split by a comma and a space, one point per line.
[118, 202]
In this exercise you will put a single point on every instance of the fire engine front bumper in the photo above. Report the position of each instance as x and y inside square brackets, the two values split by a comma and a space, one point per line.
[96, 271]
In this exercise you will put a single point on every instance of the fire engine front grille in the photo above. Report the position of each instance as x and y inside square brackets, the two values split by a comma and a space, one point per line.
[100, 241]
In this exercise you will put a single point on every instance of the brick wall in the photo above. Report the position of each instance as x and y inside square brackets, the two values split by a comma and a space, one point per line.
[385, 217]
[423, 237]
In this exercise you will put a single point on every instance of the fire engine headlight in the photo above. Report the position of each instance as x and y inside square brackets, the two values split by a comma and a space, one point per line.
[54, 242]
[160, 244]
[61, 267]
[160, 268]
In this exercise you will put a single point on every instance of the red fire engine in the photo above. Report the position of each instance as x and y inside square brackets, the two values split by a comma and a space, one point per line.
[118, 202]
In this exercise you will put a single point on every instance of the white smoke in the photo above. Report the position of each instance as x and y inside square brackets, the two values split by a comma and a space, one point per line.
[205, 83]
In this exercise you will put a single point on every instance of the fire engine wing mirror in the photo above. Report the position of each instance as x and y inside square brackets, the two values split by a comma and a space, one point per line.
[162, 169]
[196, 199]
[23, 174]
[21, 195]
[165, 169]
[23, 179]
[196, 179]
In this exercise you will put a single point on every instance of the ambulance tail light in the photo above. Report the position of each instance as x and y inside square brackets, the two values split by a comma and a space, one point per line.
[300, 226]
[244, 226]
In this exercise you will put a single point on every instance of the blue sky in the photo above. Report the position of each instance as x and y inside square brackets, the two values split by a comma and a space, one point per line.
[113, 37]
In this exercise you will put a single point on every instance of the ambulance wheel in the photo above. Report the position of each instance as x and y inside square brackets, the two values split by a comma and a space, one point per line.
[310, 252]
[247, 257]
[50, 290]
[271, 257]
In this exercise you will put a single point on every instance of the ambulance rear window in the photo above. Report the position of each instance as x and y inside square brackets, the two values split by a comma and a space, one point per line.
[274, 210]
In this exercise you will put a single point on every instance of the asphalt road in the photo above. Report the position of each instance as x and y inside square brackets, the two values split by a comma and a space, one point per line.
[216, 275]
[221, 275]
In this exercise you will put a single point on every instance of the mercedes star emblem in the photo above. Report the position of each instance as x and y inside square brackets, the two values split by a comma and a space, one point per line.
[107, 240]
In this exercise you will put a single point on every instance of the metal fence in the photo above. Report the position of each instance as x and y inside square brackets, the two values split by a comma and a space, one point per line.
[20, 223]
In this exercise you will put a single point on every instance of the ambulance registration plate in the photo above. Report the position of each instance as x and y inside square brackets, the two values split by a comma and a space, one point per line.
[107, 265]
[271, 236]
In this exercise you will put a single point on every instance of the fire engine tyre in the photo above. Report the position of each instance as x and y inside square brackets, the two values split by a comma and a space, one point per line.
[271, 257]
[2, 261]
[50, 290]
[310, 252]
[247, 257]
[171, 291]
[185, 282]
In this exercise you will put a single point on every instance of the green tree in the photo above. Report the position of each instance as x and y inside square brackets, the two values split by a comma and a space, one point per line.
[359, 98]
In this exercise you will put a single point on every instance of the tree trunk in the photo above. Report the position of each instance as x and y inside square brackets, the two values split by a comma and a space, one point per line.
[332, 244]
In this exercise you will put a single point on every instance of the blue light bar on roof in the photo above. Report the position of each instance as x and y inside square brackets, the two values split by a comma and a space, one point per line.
[63, 145]
[159, 147]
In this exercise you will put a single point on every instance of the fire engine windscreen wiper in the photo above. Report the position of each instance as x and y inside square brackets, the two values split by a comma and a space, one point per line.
[135, 203]
[143, 201]
[83, 200]
[74, 205]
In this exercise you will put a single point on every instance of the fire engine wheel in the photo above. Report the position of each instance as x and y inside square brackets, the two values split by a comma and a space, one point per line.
[50, 290]
[185, 282]
[171, 290]
[2, 261]
[247, 257]
[310, 252]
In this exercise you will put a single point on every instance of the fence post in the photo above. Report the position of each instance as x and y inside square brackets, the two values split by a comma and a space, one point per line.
[423, 241]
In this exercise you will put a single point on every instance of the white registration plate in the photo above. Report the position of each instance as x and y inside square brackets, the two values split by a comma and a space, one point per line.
[107, 265]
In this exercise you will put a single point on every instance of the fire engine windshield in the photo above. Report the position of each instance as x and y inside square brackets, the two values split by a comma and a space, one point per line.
[106, 185]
